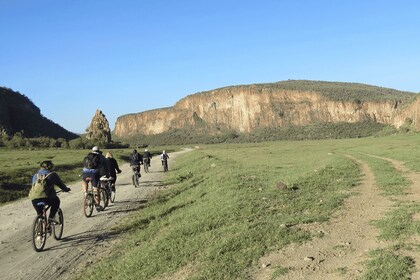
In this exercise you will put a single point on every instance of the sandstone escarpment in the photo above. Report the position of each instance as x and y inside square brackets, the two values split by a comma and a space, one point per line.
[244, 108]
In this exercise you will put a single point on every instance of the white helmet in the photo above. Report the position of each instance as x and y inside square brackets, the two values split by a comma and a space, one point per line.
[95, 149]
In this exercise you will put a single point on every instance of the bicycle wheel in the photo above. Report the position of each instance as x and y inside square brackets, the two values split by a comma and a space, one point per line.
[113, 193]
[104, 198]
[58, 228]
[39, 233]
[136, 180]
[165, 166]
[88, 204]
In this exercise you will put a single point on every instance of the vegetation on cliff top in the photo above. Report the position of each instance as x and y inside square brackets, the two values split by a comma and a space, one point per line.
[333, 90]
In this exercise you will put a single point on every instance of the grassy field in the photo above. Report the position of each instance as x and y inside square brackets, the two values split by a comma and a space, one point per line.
[227, 206]
[18, 166]
[230, 208]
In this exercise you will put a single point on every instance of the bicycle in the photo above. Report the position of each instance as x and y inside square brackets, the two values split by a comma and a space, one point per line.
[89, 199]
[136, 175]
[107, 190]
[41, 228]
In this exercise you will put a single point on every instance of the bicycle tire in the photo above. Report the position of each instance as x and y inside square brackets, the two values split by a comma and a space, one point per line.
[88, 204]
[104, 197]
[138, 180]
[113, 194]
[58, 228]
[39, 233]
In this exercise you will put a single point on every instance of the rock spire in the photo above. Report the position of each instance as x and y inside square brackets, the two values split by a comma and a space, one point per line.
[99, 128]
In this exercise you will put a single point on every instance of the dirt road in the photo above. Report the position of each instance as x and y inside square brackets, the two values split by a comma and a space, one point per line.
[83, 237]
[347, 238]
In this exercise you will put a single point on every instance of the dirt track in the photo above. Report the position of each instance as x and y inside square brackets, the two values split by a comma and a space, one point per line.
[348, 237]
[83, 238]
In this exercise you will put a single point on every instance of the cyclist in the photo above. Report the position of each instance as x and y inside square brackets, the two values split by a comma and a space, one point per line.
[147, 157]
[93, 163]
[112, 165]
[51, 179]
[135, 159]
[164, 158]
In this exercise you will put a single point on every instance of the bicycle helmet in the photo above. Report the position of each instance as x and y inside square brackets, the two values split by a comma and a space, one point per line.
[47, 164]
[95, 149]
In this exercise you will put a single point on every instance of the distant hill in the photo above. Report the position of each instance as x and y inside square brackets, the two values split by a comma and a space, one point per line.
[270, 106]
[19, 114]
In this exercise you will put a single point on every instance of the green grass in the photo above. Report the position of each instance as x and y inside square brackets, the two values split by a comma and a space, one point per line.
[18, 166]
[399, 224]
[222, 210]
[387, 265]
[390, 180]
[227, 212]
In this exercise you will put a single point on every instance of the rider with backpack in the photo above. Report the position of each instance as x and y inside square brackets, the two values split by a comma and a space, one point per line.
[147, 157]
[135, 161]
[93, 165]
[135, 158]
[43, 189]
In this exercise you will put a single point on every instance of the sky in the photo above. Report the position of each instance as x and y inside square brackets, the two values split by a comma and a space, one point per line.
[71, 58]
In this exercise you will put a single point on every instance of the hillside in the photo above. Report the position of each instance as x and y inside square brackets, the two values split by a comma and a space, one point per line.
[246, 108]
[19, 114]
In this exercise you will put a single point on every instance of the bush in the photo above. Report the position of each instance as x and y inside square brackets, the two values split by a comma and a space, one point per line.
[310, 132]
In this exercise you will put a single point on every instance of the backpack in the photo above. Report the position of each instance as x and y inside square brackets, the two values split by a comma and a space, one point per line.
[135, 158]
[39, 188]
[91, 161]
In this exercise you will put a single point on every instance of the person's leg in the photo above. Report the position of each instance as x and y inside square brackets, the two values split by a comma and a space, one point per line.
[96, 192]
[85, 175]
[35, 205]
[54, 202]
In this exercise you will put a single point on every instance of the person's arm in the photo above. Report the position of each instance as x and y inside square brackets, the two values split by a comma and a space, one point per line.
[116, 165]
[56, 180]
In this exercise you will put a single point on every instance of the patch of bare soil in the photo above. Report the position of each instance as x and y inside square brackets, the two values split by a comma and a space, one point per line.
[346, 240]
[85, 240]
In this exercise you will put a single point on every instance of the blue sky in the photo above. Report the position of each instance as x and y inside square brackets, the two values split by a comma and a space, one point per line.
[73, 57]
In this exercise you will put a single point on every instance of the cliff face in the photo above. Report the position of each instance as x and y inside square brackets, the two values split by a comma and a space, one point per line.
[19, 114]
[245, 108]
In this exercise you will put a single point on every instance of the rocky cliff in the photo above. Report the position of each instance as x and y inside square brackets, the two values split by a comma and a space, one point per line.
[244, 108]
[99, 128]
[19, 114]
